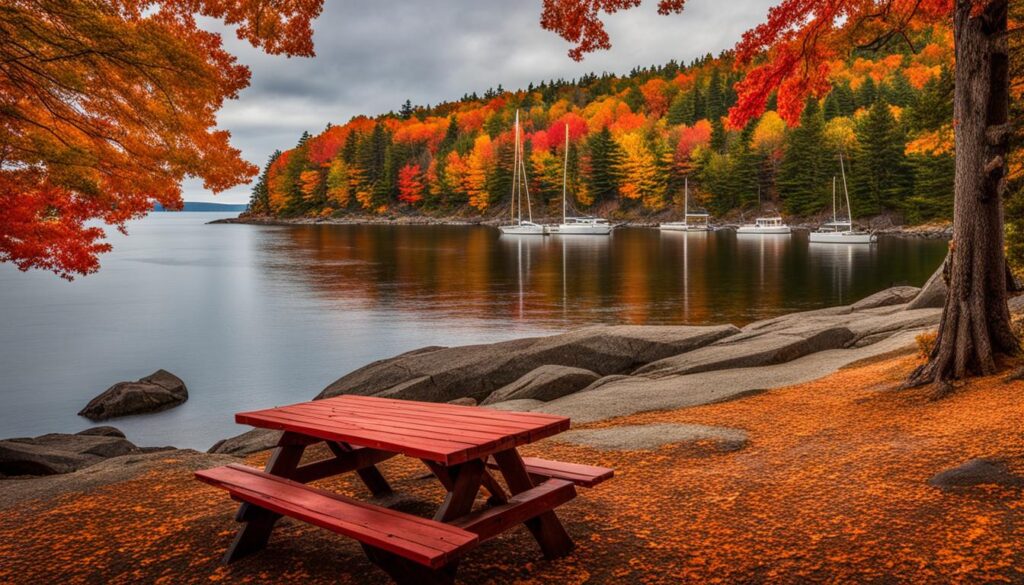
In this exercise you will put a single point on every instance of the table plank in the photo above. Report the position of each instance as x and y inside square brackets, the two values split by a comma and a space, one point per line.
[446, 433]
[434, 421]
[469, 430]
[445, 452]
[501, 415]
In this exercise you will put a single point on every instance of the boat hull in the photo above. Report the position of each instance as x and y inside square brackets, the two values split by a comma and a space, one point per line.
[759, 231]
[842, 238]
[523, 230]
[682, 227]
[580, 230]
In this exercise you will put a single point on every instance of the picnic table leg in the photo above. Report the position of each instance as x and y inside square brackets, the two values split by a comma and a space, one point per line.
[406, 572]
[554, 541]
[465, 483]
[497, 494]
[258, 522]
[371, 476]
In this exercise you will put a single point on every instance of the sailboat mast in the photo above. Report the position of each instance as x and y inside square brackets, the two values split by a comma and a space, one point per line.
[565, 170]
[849, 210]
[519, 145]
[834, 217]
[686, 198]
[526, 187]
[515, 168]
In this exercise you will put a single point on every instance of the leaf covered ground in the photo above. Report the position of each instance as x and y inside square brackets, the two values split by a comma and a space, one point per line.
[831, 488]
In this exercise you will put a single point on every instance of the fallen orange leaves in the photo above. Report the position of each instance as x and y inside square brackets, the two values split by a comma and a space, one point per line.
[831, 488]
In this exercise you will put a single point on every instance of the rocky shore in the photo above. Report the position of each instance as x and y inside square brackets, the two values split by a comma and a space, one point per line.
[881, 226]
[841, 479]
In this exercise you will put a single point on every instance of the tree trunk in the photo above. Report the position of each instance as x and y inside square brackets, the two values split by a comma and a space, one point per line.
[975, 324]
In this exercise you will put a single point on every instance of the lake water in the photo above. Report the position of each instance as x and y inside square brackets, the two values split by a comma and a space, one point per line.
[258, 316]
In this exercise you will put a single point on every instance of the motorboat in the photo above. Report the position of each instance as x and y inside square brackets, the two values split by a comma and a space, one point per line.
[764, 226]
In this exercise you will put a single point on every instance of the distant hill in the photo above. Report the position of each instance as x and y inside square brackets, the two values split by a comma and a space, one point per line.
[204, 206]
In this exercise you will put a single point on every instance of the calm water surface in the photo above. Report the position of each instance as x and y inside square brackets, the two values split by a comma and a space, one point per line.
[257, 316]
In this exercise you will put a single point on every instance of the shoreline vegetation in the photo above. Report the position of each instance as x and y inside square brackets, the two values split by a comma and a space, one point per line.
[628, 145]
[762, 428]
[883, 226]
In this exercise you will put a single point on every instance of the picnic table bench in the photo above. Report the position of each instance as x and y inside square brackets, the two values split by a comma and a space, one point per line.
[459, 444]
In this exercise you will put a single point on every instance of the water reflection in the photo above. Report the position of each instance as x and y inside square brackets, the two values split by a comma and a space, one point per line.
[634, 276]
[839, 261]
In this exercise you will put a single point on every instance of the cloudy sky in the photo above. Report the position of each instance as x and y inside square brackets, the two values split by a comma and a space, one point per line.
[373, 55]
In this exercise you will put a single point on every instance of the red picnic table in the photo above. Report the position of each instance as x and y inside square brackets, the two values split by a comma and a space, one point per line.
[459, 444]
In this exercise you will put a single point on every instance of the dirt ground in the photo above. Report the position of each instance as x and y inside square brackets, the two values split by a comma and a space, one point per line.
[831, 487]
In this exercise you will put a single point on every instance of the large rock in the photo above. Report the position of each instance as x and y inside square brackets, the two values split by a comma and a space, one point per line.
[933, 293]
[976, 472]
[524, 405]
[440, 375]
[247, 443]
[870, 329]
[158, 391]
[749, 350]
[60, 453]
[897, 295]
[544, 383]
[181, 462]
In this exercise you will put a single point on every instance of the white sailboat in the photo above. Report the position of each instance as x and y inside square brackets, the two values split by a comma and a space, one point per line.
[765, 225]
[519, 226]
[841, 232]
[581, 226]
[698, 221]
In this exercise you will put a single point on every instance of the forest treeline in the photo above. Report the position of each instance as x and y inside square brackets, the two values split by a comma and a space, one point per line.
[634, 138]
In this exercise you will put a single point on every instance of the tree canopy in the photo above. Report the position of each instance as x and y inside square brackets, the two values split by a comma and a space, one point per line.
[108, 105]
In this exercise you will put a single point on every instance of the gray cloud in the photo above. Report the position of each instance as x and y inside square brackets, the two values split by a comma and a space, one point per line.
[373, 55]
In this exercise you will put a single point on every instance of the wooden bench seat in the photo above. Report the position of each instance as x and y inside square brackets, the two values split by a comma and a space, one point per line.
[582, 475]
[426, 542]
[491, 522]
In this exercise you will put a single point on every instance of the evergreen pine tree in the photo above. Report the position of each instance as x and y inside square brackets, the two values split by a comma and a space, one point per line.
[883, 177]
[716, 98]
[867, 94]
[298, 160]
[407, 110]
[451, 136]
[718, 136]
[898, 91]
[605, 162]
[932, 197]
[259, 201]
[933, 106]
[680, 111]
[805, 173]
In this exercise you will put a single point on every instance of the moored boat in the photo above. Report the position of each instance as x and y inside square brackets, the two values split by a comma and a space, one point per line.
[696, 221]
[841, 231]
[580, 226]
[765, 226]
[520, 226]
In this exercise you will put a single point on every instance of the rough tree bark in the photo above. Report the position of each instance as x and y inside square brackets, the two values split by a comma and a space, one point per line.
[975, 324]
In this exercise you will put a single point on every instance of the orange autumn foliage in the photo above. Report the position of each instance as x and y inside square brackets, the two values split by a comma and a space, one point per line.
[829, 485]
[410, 184]
[111, 104]
[655, 93]
[799, 38]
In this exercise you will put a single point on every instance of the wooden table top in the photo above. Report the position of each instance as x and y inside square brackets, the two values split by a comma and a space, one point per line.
[445, 433]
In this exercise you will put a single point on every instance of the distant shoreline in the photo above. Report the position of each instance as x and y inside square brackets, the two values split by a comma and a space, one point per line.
[929, 231]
